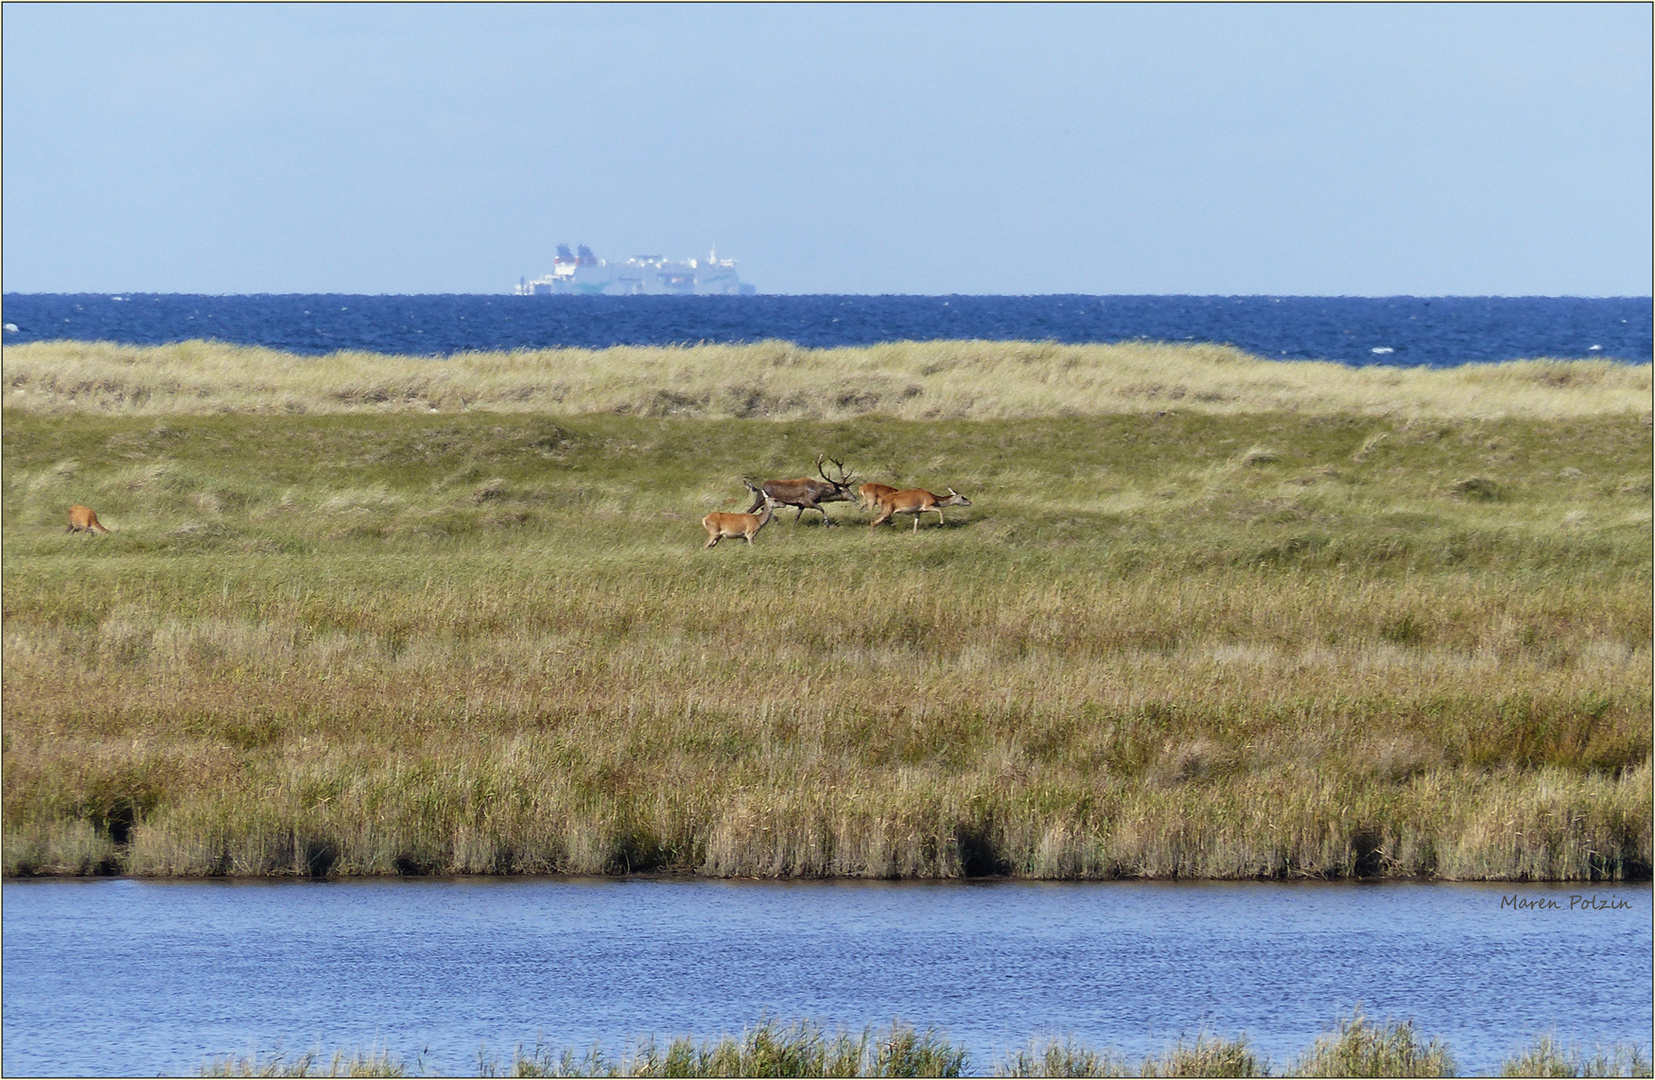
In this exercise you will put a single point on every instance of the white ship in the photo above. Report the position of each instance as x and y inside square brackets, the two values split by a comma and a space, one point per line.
[584, 274]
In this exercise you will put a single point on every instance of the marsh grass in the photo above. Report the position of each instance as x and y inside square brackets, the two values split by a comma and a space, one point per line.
[1548, 1057]
[1270, 644]
[1204, 1055]
[1362, 1048]
[368, 1063]
[780, 381]
[1357, 1047]
[768, 1048]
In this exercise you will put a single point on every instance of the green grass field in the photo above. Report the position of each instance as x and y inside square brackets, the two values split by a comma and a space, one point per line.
[1341, 635]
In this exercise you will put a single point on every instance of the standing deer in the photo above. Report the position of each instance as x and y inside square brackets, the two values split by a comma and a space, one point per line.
[720, 525]
[85, 519]
[805, 493]
[917, 501]
[872, 493]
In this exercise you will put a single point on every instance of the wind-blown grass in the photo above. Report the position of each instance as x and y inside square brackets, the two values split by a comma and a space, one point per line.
[1357, 1047]
[1204, 1055]
[1216, 645]
[1547, 1057]
[1362, 1048]
[765, 1049]
[371, 1063]
[777, 380]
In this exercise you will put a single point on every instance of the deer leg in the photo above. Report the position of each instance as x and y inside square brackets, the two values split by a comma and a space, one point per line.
[711, 540]
[940, 521]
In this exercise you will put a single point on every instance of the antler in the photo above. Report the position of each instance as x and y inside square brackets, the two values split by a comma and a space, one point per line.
[844, 474]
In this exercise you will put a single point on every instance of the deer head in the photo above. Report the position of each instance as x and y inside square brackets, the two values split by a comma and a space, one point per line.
[841, 485]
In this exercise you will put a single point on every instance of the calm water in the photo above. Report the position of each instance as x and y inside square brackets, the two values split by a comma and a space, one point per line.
[1401, 330]
[131, 977]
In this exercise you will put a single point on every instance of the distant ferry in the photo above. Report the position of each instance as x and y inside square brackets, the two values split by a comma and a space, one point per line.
[584, 274]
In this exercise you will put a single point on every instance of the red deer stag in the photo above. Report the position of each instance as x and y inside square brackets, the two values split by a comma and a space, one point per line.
[84, 519]
[872, 493]
[917, 501]
[805, 493]
[720, 526]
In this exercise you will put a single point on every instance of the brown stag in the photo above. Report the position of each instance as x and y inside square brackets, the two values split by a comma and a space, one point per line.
[805, 493]
[85, 519]
[720, 526]
[872, 493]
[916, 501]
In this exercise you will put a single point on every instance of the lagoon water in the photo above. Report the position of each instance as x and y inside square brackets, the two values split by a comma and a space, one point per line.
[133, 977]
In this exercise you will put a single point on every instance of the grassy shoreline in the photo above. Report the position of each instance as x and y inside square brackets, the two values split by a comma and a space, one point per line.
[1239, 642]
[1357, 1046]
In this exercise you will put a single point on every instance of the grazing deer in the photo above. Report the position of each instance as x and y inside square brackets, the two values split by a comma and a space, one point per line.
[872, 493]
[85, 519]
[805, 493]
[916, 501]
[720, 525]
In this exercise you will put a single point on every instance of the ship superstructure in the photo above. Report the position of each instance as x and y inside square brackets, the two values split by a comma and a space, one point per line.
[583, 273]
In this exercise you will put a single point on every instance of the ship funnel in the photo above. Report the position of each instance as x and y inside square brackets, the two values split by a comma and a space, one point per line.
[564, 254]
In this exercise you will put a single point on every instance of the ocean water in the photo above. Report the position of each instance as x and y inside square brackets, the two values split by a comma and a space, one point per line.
[121, 977]
[1400, 330]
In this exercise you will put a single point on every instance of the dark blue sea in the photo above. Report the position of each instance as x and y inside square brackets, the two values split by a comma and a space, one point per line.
[1398, 330]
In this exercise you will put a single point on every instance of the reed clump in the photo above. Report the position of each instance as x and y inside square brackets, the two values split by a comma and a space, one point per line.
[1362, 1048]
[1357, 1047]
[1204, 1055]
[361, 1063]
[912, 380]
[768, 1048]
[1549, 1057]
[1259, 644]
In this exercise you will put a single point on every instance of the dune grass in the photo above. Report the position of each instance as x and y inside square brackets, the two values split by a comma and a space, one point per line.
[1197, 644]
[928, 380]
[1357, 1047]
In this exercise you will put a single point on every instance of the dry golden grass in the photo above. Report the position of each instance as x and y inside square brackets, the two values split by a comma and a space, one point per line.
[779, 380]
[1203, 640]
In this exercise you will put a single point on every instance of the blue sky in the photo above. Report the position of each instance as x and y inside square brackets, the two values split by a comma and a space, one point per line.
[1322, 150]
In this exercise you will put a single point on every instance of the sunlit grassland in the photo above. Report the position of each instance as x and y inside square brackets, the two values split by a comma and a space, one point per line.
[1216, 644]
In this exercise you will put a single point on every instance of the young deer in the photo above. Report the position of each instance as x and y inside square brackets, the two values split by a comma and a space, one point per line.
[916, 501]
[721, 525]
[84, 519]
[872, 493]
